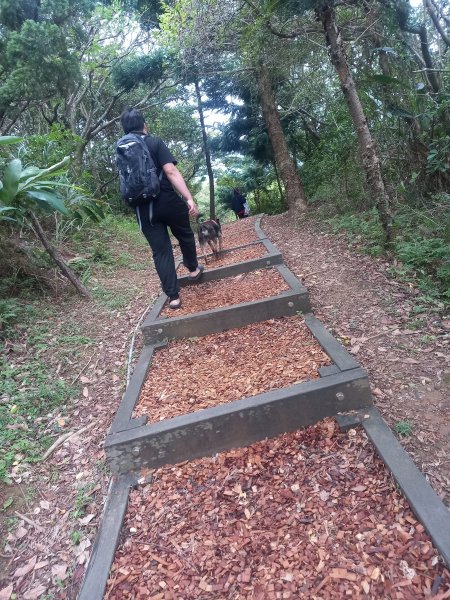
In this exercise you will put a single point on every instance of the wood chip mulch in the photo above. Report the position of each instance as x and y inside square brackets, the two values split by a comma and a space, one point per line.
[234, 234]
[233, 238]
[247, 224]
[189, 375]
[230, 258]
[312, 515]
[246, 287]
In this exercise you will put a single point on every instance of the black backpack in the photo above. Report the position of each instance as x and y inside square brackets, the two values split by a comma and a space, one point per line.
[139, 182]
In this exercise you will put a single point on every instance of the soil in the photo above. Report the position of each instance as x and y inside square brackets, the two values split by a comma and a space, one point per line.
[312, 514]
[406, 352]
[48, 531]
[189, 375]
[230, 258]
[354, 295]
[247, 287]
[232, 240]
[234, 234]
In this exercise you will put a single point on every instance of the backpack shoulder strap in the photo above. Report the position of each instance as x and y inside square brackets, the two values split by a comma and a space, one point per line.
[151, 143]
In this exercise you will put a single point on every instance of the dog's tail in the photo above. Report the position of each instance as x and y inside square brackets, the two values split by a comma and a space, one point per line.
[199, 216]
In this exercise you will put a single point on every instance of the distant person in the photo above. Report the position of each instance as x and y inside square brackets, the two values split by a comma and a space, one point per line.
[167, 209]
[239, 204]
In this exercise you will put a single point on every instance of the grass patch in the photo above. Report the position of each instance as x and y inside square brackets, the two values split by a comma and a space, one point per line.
[112, 299]
[421, 246]
[28, 395]
[403, 428]
[12, 312]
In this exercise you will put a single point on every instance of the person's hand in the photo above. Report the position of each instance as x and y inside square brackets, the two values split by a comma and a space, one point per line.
[193, 208]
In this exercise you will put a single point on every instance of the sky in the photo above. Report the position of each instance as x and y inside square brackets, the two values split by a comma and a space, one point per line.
[415, 2]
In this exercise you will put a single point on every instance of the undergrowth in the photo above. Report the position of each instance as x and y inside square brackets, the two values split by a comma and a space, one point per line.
[29, 392]
[33, 340]
[421, 244]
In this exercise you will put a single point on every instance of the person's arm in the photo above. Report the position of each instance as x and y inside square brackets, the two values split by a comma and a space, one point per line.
[177, 181]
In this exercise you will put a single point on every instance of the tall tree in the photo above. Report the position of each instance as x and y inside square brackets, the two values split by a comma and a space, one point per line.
[37, 59]
[294, 189]
[367, 146]
[206, 150]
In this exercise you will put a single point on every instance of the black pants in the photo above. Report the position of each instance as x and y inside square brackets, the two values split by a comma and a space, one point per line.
[153, 220]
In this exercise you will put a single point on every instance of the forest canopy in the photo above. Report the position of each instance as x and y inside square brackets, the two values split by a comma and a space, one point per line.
[336, 110]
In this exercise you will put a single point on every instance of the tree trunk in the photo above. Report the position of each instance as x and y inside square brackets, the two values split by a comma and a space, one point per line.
[369, 157]
[280, 187]
[212, 205]
[295, 194]
[435, 18]
[63, 266]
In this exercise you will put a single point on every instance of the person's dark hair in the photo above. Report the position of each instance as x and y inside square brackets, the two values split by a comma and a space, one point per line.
[132, 120]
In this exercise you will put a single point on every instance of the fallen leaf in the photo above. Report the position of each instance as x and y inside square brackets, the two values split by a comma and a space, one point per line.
[85, 520]
[20, 533]
[21, 571]
[59, 571]
[35, 592]
[5, 593]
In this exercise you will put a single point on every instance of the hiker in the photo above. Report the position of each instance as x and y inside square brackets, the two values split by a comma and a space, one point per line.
[171, 207]
[239, 204]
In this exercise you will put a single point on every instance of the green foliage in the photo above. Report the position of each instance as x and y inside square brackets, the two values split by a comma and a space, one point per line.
[40, 64]
[28, 392]
[428, 257]
[421, 244]
[12, 311]
[75, 537]
[363, 230]
[32, 188]
[403, 428]
[51, 147]
[81, 500]
[147, 69]
[438, 159]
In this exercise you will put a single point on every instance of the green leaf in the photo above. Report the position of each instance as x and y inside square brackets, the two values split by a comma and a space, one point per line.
[29, 171]
[11, 178]
[5, 209]
[53, 170]
[50, 200]
[7, 503]
[387, 80]
[396, 111]
[9, 139]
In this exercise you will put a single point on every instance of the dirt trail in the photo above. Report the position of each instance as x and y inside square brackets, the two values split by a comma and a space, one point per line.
[45, 555]
[405, 353]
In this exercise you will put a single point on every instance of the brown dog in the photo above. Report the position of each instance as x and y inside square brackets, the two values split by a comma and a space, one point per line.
[210, 232]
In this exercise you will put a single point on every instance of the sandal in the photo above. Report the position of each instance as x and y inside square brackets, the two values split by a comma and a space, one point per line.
[175, 303]
[201, 268]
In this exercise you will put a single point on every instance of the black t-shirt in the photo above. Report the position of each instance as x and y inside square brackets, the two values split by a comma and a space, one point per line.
[161, 156]
[237, 203]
